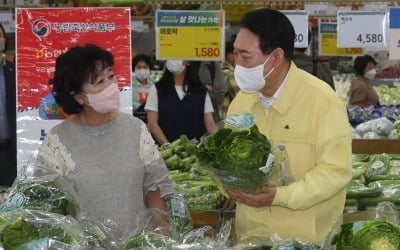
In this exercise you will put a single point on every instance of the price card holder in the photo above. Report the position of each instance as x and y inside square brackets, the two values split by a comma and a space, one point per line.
[190, 35]
[367, 29]
[394, 34]
[328, 40]
[299, 20]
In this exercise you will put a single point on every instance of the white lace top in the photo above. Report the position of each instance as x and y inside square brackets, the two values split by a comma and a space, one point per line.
[111, 167]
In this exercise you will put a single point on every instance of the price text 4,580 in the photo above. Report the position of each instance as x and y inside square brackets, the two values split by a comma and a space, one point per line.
[207, 52]
[370, 38]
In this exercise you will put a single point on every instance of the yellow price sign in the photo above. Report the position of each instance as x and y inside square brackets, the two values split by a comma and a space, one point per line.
[190, 35]
[328, 42]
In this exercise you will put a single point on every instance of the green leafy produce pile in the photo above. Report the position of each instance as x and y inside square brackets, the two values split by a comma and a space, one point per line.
[376, 178]
[234, 158]
[368, 235]
[388, 95]
[148, 240]
[29, 226]
[199, 189]
[179, 215]
[45, 195]
[178, 155]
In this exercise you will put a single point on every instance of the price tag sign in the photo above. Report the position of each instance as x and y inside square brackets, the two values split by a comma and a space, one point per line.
[299, 20]
[190, 35]
[328, 41]
[394, 34]
[367, 29]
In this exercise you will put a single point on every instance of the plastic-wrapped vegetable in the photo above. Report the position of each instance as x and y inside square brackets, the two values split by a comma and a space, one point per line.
[47, 193]
[380, 127]
[95, 237]
[376, 230]
[378, 165]
[179, 215]
[30, 229]
[239, 157]
[358, 190]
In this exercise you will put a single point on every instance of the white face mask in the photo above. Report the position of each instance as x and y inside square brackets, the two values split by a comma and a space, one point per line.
[106, 100]
[175, 66]
[252, 79]
[142, 74]
[370, 74]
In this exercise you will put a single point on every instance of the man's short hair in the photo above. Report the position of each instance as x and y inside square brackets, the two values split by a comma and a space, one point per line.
[273, 28]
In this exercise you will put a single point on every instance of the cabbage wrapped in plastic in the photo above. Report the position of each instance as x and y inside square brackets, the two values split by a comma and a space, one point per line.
[378, 230]
[381, 127]
[30, 229]
[240, 158]
[50, 193]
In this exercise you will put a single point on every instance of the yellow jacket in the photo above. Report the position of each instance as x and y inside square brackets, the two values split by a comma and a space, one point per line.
[311, 121]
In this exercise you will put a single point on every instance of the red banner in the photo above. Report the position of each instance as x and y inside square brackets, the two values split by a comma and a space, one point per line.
[43, 34]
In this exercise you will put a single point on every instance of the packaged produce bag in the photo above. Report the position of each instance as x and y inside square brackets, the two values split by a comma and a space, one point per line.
[239, 157]
[51, 193]
[371, 230]
[31, 229]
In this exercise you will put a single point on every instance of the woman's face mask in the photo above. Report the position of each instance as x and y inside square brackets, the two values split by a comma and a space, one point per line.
[370, 74]
[142, 74]
[175, 66]
[106, 100]
[252, 79]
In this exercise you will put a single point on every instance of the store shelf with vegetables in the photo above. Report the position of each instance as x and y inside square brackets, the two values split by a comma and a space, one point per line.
[376, 182]
[376, 129]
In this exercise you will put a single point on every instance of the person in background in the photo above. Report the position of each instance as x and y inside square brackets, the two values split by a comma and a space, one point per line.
[228, 67]
[108, 157]
[141, 83]
[156, 64]
[179, 104]
[305, 62]
[212, 77]
[299, 111]
[361, 92]
[8, 120]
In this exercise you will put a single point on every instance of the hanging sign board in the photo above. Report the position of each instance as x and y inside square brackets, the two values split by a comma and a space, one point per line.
[44, 34]
[394, 33]
[190, 35]
[367, 29]
[299, 20]
[328, 42]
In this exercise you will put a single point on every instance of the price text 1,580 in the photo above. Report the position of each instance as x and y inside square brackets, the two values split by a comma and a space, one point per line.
[370, 38]
[207, 52]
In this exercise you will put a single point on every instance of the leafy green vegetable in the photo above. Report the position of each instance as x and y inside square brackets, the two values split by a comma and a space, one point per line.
[379, 165]
[179, 216]
[368, 235]
[235, 157]
[179, 154]
[149, 239]
[45, 195]
[358, 190]
[22, 231]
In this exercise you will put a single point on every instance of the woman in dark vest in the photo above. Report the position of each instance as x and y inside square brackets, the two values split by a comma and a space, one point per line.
[178, 104]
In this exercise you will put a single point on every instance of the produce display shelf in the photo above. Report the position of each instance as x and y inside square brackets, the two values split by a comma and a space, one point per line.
[203, 218]
[376, 146]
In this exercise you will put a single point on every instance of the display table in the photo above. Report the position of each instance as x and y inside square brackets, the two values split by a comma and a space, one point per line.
[203, 218]
[376, 146]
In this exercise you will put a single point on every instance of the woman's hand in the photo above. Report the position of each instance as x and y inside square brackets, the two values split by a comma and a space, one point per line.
[262, 199]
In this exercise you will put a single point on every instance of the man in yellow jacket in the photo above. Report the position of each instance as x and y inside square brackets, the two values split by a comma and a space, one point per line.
[295, 109]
